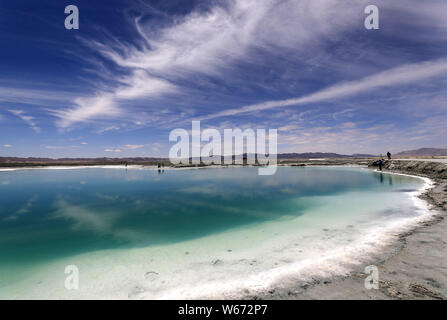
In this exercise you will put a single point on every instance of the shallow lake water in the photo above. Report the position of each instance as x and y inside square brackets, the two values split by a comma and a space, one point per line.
[140, 233]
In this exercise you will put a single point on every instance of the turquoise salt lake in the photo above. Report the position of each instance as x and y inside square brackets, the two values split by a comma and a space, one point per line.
[191, 233]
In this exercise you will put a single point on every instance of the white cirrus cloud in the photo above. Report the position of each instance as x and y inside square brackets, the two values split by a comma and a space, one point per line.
[28, 119]
[206, 42]
[108, 128]
[112, 150]
[125, 147]
[133, 146]
[211, 42]
[402, 75]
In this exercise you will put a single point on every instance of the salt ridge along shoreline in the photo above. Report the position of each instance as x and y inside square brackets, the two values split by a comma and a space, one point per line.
[340, 263]
[410, 267]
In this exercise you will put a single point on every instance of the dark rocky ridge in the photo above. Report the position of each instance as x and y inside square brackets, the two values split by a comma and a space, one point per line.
[430, 169]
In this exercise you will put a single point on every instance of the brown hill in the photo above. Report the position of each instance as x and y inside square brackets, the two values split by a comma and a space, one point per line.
[424, 152]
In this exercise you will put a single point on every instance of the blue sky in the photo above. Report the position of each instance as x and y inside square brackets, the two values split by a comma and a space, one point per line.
[135, 70]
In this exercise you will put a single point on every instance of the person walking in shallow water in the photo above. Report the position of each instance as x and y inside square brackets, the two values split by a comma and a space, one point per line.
[388, 154]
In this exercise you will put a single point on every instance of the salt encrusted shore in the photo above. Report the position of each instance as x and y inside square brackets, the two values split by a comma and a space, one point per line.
[414, 266]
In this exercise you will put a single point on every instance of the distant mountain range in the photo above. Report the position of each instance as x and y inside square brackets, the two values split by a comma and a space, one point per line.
[320, 155]
[424, 152]
[307, 155]
[32, 161]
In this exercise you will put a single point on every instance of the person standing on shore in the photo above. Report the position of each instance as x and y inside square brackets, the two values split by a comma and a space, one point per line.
[380, 163]
[388, 154]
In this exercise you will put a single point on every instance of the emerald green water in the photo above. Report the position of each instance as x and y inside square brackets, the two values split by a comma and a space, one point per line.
[48, 215]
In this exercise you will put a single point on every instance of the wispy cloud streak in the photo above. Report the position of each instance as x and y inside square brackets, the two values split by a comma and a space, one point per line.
[403, 75]
[203, 43]
[28, 119]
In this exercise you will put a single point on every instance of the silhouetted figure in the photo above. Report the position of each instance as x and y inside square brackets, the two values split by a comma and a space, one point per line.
[388, 154]
[380, 163]
[159, 165]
